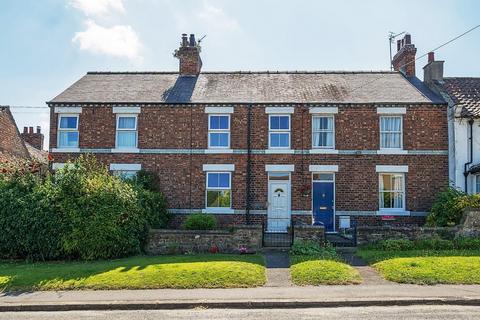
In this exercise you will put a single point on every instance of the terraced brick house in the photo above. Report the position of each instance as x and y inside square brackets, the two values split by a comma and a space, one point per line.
[463, 97]
[320, 147]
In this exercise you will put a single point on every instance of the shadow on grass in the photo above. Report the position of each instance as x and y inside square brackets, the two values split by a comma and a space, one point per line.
[22, 277]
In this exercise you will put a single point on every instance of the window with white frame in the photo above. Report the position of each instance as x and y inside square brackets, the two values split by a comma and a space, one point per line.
[218, 131]
[477, 183]
[218, 193]
[126, 131]
[323, 132]
[125, 174]
[67, 131]
[392, 191]
[391, 132]
[279, 131]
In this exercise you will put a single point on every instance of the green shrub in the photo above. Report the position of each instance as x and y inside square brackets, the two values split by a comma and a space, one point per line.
[447, 210]
[200, 221]
[80, 212]
[148, 180]
[395, 245]
[313, 248]
[467, 243]
[154, 205]
[31, 224]
[433, 243]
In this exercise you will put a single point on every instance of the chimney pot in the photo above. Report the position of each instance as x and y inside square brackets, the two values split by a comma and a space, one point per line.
[192, 40]
[39, 129]
[408, 39]
[431, 57]
[184, 40]
[25, 129]
[30, 130]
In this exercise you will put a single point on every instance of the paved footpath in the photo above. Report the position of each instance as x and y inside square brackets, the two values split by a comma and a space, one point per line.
[263, 297]
[278, 269]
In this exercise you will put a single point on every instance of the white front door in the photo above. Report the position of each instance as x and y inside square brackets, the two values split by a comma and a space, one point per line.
[279, 206]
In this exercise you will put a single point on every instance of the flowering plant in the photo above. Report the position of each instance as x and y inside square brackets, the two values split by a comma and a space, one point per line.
[243, 250]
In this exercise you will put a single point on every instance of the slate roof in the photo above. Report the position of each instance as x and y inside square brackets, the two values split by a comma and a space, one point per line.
[243, 87]
[465, 93]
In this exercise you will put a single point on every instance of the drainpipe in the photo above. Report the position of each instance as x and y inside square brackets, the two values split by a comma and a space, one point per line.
[249, 165]
[465, 171]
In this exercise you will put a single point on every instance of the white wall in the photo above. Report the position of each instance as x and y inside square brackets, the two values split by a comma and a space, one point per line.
[462, 152]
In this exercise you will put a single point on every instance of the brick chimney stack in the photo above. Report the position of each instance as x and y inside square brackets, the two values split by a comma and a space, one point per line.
[33, 138]
[404, 60]
[433, 70]
[189, 56]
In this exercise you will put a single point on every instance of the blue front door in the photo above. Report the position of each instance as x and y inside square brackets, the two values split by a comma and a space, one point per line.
[323, 211]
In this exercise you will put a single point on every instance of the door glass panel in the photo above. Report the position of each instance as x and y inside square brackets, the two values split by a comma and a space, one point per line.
[279, 176]
[323, 176]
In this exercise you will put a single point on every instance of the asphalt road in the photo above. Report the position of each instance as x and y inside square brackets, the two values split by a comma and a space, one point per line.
[410, 312]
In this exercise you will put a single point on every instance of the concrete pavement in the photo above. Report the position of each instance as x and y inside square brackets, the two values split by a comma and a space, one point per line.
[263, 297]
[341, 313]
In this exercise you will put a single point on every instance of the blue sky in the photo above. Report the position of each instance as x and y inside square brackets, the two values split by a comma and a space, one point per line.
[46, 45]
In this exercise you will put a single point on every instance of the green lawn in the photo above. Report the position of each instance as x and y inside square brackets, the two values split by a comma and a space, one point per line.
[142, 272]
[431, 270]
[311, 271]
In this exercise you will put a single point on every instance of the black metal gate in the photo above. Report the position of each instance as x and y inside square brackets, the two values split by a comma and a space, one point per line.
[277, 239]
[344, 237]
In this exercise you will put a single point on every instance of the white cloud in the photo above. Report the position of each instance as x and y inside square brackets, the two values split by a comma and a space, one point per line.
[118, 40]
[215, 18]
[98, 7]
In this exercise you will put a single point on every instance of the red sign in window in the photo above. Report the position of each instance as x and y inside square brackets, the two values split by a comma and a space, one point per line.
[388, 218]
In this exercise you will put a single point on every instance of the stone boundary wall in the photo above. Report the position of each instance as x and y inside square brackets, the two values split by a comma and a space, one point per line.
[369, 235]
[470, 224]
[166, 241]
[309, 232]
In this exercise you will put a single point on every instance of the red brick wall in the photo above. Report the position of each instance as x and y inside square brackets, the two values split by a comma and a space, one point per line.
[357, 128]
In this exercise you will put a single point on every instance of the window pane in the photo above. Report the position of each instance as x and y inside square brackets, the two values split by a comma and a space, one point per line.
[212, 179]
[385, 182]
[323, 176]
[390, 124]
[125, 175]
[390, 140]
[280, 140]
[322, 123]
[219, 139]
[477, 183]
[278, 176]
[218, 198]
[218, 180]
[219, 122]
[126, 122]
[224, 180]
[274, 122]
[323, 139]
[68, 139]
[284, 123]
[127, 139]
[68, 122]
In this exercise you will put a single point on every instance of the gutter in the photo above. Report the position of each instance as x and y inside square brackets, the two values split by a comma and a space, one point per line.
[465, 171]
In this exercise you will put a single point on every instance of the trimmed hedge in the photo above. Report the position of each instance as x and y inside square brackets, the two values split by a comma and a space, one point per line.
[80, 212]
[200, 221]
[433, 243]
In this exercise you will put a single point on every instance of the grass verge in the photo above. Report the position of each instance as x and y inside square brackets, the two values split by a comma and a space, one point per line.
[142, 272]
[431, 270]
[306, 270]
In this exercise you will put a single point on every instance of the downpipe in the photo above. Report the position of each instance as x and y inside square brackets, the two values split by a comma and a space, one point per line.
[465, 171]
